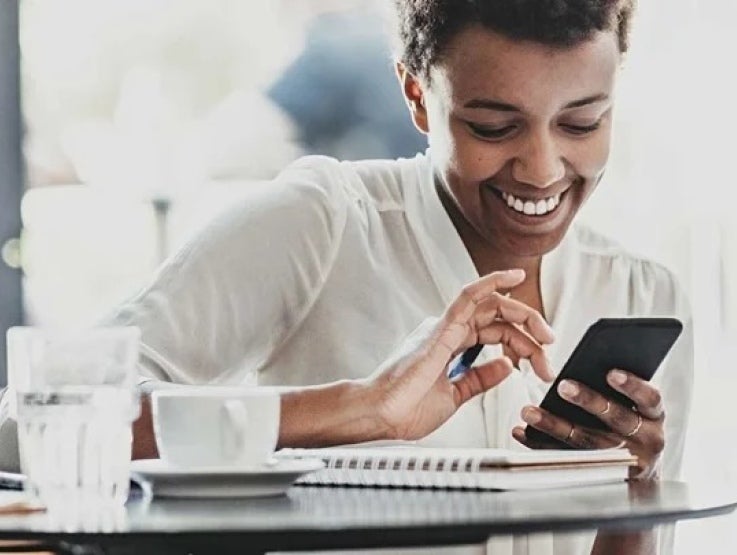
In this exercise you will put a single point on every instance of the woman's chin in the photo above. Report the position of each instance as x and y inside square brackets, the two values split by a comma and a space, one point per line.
[525, 235]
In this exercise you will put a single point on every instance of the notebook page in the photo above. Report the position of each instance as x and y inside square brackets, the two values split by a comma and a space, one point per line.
[462, 468]
[485, 456]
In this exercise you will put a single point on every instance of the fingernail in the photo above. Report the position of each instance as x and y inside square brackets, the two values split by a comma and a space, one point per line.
[531, 416]
[551, 335]
[618, 377]
[549, 368]
[516, 273]
[568, 389]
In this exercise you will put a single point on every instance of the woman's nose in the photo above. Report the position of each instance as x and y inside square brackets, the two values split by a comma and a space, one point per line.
[539, 162]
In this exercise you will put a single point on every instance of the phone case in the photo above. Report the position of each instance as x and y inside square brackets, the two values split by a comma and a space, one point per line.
[637, 345]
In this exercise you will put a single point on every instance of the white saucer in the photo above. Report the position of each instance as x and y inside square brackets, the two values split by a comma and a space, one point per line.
[266, 480]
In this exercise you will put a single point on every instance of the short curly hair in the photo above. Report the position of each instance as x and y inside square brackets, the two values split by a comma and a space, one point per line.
[425, 27]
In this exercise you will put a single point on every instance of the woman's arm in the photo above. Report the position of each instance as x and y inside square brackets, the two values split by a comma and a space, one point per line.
[410, 395]
[335, 413]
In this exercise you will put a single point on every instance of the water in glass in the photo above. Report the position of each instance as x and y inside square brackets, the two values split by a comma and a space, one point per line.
[75, 444]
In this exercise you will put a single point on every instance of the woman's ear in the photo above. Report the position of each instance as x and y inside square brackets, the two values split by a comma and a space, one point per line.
[413, 96]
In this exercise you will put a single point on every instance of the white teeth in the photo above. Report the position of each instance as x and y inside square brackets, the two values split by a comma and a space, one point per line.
[531, 207]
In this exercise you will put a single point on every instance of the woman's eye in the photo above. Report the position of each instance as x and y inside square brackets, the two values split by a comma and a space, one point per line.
[491, 132]
[581, 129]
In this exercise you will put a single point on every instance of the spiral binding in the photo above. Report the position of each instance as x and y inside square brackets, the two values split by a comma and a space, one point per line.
[409, 470]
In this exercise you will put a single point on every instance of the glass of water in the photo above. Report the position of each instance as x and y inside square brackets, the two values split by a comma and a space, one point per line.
[76, 399]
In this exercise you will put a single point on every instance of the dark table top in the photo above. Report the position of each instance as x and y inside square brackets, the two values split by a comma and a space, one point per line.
[330, 517]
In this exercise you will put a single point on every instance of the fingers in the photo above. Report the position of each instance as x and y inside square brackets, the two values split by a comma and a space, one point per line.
[562, 430]
[481, 378]
[632, 425]
[461, 310]
[491, 283]
[620, 419]
[518, 433]
[498, 306]
[481, 314]
[520, 344]
[476, 311]
[646, 397]
[450, 339]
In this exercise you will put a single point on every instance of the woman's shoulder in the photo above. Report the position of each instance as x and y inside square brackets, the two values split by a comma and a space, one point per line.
[314, 172]
[313, 185]
[653, 287]
[383, 182]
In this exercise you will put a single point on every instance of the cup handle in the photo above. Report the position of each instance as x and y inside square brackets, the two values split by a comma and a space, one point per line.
[235, 423]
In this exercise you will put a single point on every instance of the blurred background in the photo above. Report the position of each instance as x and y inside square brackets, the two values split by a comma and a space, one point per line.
[141, 119]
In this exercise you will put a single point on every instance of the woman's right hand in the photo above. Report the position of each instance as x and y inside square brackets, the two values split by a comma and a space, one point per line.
[412, 392]
[410, 395]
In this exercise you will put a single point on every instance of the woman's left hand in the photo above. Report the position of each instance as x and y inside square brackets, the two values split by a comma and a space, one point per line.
[640, 430]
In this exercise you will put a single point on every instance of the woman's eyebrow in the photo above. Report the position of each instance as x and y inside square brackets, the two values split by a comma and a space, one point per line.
[585, 101]
[497, 106]
[488, 104]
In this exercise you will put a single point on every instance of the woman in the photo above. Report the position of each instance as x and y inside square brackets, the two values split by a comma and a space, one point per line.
[317, 277]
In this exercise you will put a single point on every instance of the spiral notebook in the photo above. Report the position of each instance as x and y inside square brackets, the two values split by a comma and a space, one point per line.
[450, 468]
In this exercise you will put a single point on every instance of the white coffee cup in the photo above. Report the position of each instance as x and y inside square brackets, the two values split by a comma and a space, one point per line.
[216, 426]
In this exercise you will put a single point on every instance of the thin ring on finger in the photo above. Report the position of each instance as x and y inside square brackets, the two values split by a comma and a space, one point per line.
[637, 427]
[607, 409]
[569, 437]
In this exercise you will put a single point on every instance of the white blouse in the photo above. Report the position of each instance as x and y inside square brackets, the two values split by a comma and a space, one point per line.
[320, 274]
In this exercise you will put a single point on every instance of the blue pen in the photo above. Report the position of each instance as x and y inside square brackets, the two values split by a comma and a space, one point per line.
[468, 357]
[464, 363]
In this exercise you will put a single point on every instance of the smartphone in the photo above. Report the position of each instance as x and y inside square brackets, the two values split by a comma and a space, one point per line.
[637, 345]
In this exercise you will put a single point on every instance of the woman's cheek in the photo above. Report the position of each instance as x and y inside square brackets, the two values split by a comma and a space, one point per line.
[590, 158]
[477, 160]
[464, 159]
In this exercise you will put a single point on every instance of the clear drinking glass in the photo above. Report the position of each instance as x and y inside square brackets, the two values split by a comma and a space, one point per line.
[76, 399]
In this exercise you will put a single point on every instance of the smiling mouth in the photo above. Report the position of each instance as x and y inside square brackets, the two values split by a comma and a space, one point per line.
[531, 207]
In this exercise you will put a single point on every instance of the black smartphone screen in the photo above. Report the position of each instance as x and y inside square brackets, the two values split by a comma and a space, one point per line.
[637, 345]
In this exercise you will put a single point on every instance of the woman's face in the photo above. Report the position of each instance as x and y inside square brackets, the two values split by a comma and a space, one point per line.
[519, 131]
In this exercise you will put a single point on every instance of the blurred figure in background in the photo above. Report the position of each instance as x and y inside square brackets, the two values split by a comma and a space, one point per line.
[123, 99]
[341, 90]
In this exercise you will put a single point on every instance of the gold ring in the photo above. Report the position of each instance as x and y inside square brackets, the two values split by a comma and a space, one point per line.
[637, 427]
[606, 410]
[569, 437]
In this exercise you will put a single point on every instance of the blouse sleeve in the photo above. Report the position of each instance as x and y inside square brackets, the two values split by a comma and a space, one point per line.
[229, 298]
